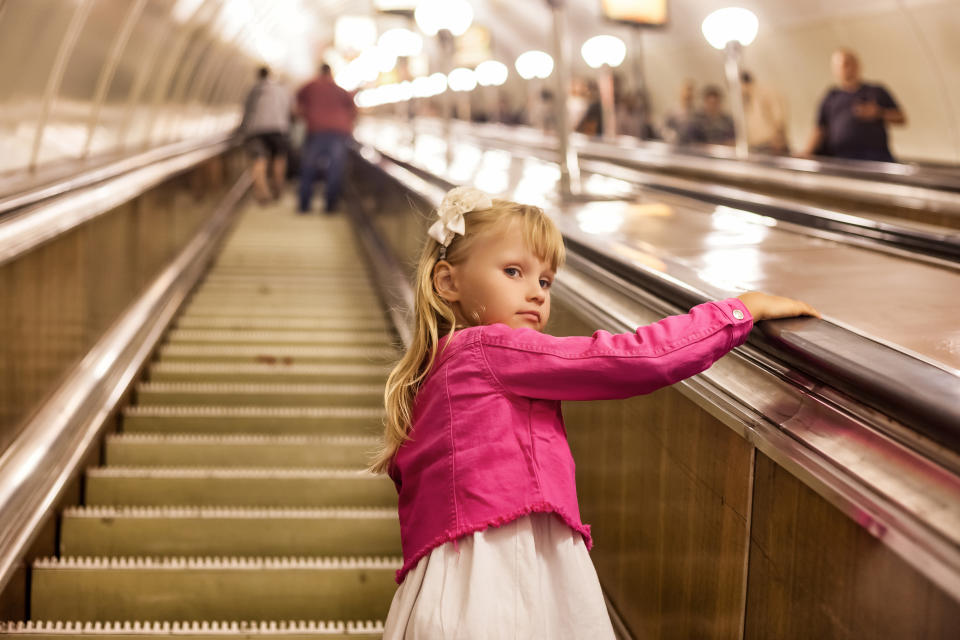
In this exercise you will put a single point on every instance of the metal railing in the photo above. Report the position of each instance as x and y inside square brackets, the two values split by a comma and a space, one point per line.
[52, 443]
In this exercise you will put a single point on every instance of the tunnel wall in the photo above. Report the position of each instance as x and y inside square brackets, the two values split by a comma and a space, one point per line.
[58, 299]
[89, 77]
[908, 46]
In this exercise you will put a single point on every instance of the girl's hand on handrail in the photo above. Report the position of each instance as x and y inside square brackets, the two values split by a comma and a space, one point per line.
[763, 306]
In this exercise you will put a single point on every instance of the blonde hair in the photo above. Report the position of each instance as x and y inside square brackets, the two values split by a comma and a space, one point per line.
[435, 317]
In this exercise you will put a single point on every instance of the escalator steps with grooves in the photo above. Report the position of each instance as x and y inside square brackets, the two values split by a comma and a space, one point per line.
[127, 630]
[300, 420]
[234, 501]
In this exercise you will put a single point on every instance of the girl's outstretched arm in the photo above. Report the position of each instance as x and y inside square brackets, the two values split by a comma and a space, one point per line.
[605, 366]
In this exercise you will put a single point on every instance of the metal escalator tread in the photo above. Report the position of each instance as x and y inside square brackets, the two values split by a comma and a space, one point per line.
[253, 419]
[234, 500]
[262, 394]
[193, 630]
[245, 486]
[259, 354]
[238, 323]
[304, 338]
[234, 531]
[265, 372]
[233, 449]
[212, 588]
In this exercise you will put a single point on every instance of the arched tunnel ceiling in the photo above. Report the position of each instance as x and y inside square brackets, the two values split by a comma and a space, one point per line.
[517, 26]
[183, 66]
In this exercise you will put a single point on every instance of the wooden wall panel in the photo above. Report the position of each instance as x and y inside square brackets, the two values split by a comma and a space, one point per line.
[58, 299]
[815, 573]
[666, 488]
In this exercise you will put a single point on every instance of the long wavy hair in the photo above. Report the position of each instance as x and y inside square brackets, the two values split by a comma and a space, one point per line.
[434, 317]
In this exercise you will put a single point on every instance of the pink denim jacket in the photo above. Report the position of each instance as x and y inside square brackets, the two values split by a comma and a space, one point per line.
[488, 443]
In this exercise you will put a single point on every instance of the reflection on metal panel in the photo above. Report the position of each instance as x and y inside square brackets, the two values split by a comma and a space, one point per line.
[88, 78]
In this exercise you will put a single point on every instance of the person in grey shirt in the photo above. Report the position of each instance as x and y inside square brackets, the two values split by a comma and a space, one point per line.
[265, 126]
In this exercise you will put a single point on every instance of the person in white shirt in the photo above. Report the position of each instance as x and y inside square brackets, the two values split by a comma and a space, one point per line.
[265, 125]
[766, 114]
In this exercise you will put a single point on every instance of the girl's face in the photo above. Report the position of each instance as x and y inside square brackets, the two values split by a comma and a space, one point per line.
[501, 281]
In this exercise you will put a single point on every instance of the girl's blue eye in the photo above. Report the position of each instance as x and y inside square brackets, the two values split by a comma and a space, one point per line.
[545, 283]
[512, 271]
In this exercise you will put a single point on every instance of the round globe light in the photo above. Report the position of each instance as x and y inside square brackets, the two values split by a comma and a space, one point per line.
[462, 79]
[439, 82]
[434, 15]
[400, 42]
[534, 64]
[354, 32]
[422, 87]
[729, 25]
[601, 50]
[491, 73]
[364, 99]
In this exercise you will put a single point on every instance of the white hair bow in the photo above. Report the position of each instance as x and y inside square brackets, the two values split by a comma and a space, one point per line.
[457, 202]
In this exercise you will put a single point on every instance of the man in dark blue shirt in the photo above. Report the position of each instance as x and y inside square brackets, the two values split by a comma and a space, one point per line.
[853, 117]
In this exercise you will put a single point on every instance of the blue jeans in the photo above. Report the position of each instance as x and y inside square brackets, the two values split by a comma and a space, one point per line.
[327, 149]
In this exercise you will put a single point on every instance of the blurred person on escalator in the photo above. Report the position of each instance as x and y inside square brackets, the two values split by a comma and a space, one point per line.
[853, 116]
[330, 113]
[265, 127]
[591, 123]
[633, 115]
[765, 112]
[678, 120]
[711, 124]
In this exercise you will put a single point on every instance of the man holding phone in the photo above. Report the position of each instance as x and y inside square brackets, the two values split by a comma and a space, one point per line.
[853, 117]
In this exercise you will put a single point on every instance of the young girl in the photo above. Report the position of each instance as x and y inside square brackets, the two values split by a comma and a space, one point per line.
[493, 545]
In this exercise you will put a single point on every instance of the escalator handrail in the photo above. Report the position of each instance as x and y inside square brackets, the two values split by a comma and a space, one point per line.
[906, 184]
[84, 200]
[925, 242]
[10, 202]
[46, 455]
[867, 370]
[695, 156]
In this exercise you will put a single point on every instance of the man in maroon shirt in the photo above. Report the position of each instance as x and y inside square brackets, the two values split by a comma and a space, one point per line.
[329, 112]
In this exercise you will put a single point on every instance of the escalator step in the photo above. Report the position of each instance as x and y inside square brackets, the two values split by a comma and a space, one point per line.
[271, 354]
[226, 275]
[246, 323]
[312, 310]
[276, 291]
[250, 394]
[285, 338]
[317, 283]
[224, 588]
[355, 299]
[278, 372]
[211, 450]
[262, 420]
[158, 486]
[195, 630]
[233, 531]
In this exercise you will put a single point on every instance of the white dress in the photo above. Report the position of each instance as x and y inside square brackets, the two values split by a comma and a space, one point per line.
[531, 578]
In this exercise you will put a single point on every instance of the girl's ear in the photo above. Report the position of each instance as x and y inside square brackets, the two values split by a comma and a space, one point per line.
[445, 281]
